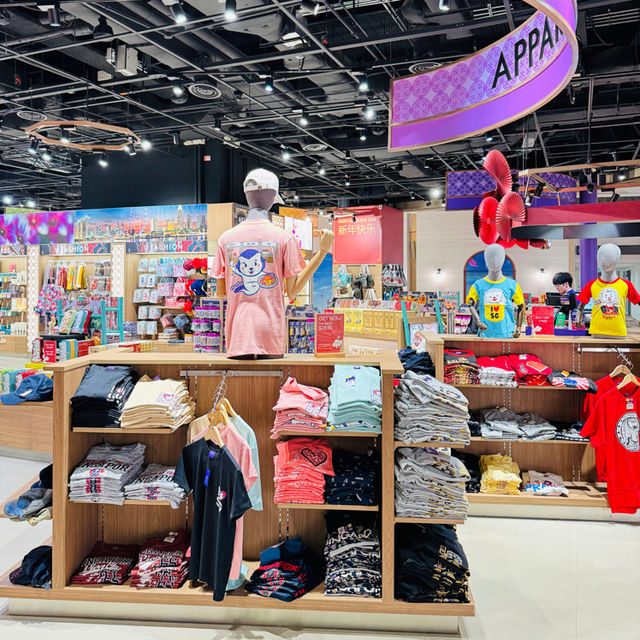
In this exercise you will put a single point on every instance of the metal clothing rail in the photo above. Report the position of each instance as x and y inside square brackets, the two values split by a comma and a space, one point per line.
[608, 350]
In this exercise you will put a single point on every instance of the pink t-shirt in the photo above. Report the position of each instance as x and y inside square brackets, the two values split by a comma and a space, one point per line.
[255, 258]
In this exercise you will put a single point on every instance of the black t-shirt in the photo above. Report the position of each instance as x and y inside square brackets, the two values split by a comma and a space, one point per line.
[216, 507]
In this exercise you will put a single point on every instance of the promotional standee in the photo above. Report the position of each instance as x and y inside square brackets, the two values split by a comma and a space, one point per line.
[494, 295]
[610, 294]
[254, 264]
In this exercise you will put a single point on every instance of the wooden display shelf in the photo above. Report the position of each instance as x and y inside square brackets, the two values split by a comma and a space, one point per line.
[16, 494]
[326, 507]
[519, 441]
[399, 520]
[518, 388]
[120, 430]
[449, 445]
[581, 494]
[332, 434]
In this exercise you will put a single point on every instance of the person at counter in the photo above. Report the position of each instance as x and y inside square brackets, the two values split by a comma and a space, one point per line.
[563, 282]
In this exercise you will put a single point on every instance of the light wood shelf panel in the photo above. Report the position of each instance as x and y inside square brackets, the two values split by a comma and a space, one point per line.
[120, 431]
[581, 494]
[399, 520]
[326, 507]
[532, 442]
[521, 387]
[331, 434]
[16, 494]
[449, 445]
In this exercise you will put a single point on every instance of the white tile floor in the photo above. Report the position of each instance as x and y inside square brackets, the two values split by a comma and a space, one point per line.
[531, 579]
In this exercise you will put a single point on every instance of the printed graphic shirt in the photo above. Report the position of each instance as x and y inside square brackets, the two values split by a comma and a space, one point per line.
[496, 300]
[217, 505]
[609, 302]
[255, 258]
[614, 427]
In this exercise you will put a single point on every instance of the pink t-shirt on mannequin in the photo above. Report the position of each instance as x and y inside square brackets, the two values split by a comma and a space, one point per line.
[255, 258]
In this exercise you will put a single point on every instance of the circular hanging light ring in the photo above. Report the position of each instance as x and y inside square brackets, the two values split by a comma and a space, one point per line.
[123, 136]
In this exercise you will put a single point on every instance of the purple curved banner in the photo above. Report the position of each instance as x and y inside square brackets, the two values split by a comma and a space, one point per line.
[494, 86]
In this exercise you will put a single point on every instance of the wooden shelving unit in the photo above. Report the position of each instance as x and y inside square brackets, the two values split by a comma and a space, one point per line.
[331, 434]
[79, 525]
[400, 520]
[326, 507]
[449, 445]
[573, 460]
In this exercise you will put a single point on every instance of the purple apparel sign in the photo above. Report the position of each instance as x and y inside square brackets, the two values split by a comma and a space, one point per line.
[497, 85]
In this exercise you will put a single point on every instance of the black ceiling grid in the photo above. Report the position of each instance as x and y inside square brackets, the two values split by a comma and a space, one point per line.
[116, 62]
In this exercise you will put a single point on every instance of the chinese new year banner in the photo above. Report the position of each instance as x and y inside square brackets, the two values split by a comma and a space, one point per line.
[358, 242]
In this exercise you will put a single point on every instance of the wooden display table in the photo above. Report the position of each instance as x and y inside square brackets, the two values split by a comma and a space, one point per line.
[27, 426]
[252, 391]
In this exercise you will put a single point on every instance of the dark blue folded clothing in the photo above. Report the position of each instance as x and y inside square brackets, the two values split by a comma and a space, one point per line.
[418, 362]
[35, 570]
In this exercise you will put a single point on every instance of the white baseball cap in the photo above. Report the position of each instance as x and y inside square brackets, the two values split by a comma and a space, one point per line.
[262, 179]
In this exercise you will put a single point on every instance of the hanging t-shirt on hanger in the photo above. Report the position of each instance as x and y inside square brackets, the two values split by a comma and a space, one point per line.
[614, 426]
[219, 499]
[609, 305]
[255, 258]
[496, 300]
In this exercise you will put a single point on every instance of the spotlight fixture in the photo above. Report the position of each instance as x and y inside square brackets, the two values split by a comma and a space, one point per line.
[528, 200]
[175, 138]
[131, 149]
[412, 195]
[539, 189]
[230, 10]
[33, 147]
[30, 203]
[614, 197]
[590, 186]
[347, 182]
[177, 11]
[347, 155]
[217, 124]
[321, 213]
[436, 192]
[488, 137]
[353, 218]
[439, 273]
[571, 92]
[103, 161]
[321, 169]
[368, 112]
[64, 136]
[304, 119]
[445, 5]
[102, 28]
[268, 84]
[363, 85]
[46, 155]
[363, 134]
[428, 202]
[310, 6]
[296, 197]
[286, 154]
[53, 14]
[146, 144]
[178, 89]
[515, 185]
[7, 198]
[622, 175]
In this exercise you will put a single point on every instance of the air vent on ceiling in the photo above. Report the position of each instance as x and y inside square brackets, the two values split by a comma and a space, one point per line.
[204, 90]
[32, 116]
[314, 147]
[421, 67]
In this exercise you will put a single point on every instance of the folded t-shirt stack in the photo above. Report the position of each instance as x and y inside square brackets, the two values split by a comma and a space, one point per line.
[355, 480]
[460, 367]
[500, 423]
[287, 571]
[158, 404]
[497, 372]
[427, 410]
[572, 380]
[107, 564]
[355, 399]
[530, 370]
[354, 562]
[101, 395]
[429, 484]
[155, 483]
[535, 427]
[500, 474]
[301, 409]
[431, 565]
[417, 362]
[35, 569]
[570, 431]
[300, 468]
[105, 471]
[544, 484]
[162, 562]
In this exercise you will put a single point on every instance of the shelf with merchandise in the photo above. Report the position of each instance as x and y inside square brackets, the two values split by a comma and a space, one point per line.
[326, 507]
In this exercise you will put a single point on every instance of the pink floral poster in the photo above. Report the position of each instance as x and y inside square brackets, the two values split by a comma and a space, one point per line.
[45, 227]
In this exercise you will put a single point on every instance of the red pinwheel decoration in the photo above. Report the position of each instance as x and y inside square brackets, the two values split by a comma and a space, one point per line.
[501, 209]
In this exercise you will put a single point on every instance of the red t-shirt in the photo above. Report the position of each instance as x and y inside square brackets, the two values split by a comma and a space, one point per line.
[614, 426]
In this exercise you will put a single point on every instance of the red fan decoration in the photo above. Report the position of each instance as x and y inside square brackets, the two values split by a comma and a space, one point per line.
[539, 244]
[511, 208]
[496, 165]
[476, 221]
[488, 230]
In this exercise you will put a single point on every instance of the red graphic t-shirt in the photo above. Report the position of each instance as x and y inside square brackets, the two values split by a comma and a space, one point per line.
[614, 426]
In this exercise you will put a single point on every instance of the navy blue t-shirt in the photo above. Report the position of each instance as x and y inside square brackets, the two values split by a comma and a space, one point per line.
[216, 507]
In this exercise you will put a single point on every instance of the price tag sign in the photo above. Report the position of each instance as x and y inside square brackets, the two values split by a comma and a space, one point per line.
[329, 334]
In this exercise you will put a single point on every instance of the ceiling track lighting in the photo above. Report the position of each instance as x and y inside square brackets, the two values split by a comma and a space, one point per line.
[46, 155]
[444, 5]
[363, 84]
[177, 11]
[131, 149]
[622, 175]
[146, 144]
[33, 147]
[304, 118]
[363, 133]
[64, 136]
[488, 137]
[53, 14]
[30, 203]
[286, 154]
[178, 89]
[310, 7]
[590, 187]
[539, 189]
[296, 197]
[230, 10]
[528, 200]
[175, 138]
[217, 124]
[368, 112]
[614, 197]
[103, 161]
[347, 182]
[321, 169]
[268, 83]
[412, 195]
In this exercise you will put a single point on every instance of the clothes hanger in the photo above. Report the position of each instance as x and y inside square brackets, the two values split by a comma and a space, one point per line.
[219, 416]
[629, 379]
[224, 402]
[620, 370]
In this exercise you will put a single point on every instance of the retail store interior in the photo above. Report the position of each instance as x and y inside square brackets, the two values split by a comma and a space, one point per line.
[320, 319]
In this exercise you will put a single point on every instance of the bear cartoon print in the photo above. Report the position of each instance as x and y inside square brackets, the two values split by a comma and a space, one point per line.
[494, 303]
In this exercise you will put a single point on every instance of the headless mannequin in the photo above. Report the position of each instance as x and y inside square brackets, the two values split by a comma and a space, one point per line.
[608, 257]
[494, 257]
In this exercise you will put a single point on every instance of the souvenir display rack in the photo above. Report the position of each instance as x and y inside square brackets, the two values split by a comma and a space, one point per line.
[574, 461]
[253, 387]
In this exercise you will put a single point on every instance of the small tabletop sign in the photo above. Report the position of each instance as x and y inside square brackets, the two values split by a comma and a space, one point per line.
[329, 334]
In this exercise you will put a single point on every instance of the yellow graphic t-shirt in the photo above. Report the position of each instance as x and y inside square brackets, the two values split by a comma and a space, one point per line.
[609, 305]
